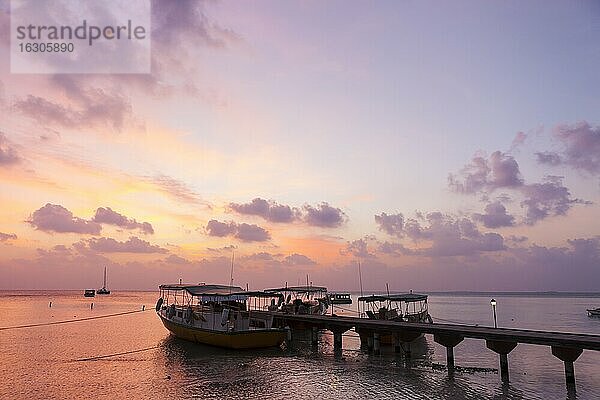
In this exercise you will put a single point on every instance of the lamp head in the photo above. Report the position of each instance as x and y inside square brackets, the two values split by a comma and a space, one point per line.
[493, 302]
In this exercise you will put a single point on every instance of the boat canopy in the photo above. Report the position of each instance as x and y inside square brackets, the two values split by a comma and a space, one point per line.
[206, 290]
[407, 297]
[299, 289]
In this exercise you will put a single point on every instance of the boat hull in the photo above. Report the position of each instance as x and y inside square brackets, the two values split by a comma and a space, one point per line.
[252, 339]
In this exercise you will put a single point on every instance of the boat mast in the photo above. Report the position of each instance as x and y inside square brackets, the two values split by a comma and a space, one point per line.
[361, 288]
[231, 275]
[104, 286]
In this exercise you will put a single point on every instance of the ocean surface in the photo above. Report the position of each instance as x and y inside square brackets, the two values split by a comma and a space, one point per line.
[78, 361]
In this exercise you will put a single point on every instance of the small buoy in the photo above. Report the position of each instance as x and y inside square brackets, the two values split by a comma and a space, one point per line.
[143, 308]
[168, 377]
[92, 306]
[50, 305]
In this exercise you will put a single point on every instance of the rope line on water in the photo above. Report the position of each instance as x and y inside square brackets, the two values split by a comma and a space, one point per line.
[68, 321]
[115, 354]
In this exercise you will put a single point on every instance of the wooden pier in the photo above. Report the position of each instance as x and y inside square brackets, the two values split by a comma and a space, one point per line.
[565, 346]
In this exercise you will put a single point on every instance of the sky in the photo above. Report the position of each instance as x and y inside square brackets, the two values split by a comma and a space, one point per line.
[443, 146]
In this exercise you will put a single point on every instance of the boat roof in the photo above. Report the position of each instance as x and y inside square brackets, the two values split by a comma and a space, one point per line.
[408, 297]
[299, 289]
[205, 290]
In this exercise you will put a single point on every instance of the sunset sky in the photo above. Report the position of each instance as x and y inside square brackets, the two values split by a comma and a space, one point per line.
[445, 146]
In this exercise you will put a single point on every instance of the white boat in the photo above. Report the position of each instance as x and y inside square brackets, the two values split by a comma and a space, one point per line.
[594, 312]
[302, 299]
[218, 315]
[404, 307]
[103, 290]
[339, 298]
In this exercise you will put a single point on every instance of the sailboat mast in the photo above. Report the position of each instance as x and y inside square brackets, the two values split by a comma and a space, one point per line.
[104, 277]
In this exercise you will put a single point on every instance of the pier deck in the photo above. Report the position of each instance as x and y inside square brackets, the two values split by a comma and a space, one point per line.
[565, 346]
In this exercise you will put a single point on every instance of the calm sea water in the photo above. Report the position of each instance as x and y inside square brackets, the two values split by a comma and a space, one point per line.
[48, 362]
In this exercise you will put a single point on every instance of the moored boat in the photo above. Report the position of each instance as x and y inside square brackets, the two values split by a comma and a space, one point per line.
[404, 307]
[219, 315]
[89, 293]
[103, 289]
[302, 299]
[339, 298]
[594, 312]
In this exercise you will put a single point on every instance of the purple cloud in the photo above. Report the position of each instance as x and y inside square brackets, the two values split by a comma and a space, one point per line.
[517, 239]
[298, 259]
[323, 215]
[175, 259]
[499, 171]
[56, 218]
[495, 216]
[548, 158]
[546, 199]
[582, 146]
[262, 256]
[229, 248]
[108, 216]
[269, 210]
[132, 245]
[392, 224]
[358, 248]
[220, 229]
[7, 236]
[8, 155]
[518, 141]
[391, 248]
[243, 231]
[173, 21]
[251, 233]
[86, 106]
[446, 236]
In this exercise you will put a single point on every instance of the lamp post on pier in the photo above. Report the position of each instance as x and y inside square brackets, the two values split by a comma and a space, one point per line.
[493, 304]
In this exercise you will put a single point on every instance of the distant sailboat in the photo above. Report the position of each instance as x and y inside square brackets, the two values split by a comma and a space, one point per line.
[104, 290]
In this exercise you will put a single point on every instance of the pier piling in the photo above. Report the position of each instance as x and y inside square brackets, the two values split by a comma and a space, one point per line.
[376, 350]
[337, 340]
[568, 355]
[397, 344]
[449, 342]
[502, 348]
[314, 336]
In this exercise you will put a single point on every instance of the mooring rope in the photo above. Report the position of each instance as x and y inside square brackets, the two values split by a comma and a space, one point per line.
[116, 354]
[68, 321]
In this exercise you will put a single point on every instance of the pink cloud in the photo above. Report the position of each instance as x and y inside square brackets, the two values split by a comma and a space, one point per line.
[56, 218]
[108, 216]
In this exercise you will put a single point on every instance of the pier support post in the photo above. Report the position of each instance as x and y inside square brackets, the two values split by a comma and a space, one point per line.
[502, 348]
[397, 344]
[568, 355]
[449, 341]
[406, 337]
[314, 336]
[370, 343]
[337, 340]
[376, 343]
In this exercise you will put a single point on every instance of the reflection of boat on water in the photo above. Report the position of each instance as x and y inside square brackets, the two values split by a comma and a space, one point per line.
[89, 293]
[218, 315]
[339, 298]
[103, 290]
[302, 299]
[405, 307]
[594, 312]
